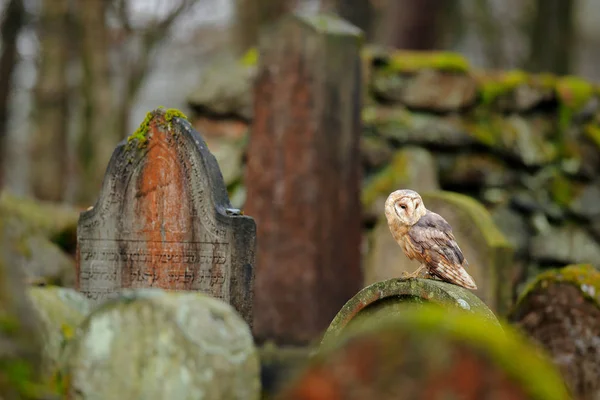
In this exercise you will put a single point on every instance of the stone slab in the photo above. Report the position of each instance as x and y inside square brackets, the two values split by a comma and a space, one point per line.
[163, 219]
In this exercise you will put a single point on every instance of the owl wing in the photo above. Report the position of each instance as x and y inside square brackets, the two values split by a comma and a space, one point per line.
[433, 239]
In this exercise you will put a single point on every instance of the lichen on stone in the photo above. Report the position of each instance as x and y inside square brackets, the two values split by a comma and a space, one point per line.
[504, 346]
[584, 277]
[141, 133]
[412, 61]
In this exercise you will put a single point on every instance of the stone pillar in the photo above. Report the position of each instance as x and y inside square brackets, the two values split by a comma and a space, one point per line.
[303, 175]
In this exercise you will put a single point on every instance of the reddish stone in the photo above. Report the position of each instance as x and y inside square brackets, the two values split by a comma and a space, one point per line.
[163, 220]
[303, 176]
[424, 354]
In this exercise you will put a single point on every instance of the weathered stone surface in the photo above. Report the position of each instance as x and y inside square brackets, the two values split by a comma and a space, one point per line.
[411, 167]
[33, 240]
[514, 227]
[163, 219]
[469, 170]
[404, 127]
[439, 91]
[60, 310]
[303, 176]
[526, 139]
[391, 297]
[560, 310]
[428, 353]
[225, 89]
[20, 337]
[586, 203]
[152, 344]
[565, 245]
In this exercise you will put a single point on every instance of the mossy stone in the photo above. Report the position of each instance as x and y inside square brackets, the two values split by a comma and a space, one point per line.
[158, 344]
[401, 357]
[388, 298]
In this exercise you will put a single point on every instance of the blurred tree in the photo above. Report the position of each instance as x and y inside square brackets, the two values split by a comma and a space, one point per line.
[12, 22]
[491, 33]
[140, 45]
[98, 135]
[49, 141]
[251, 15]
[413, 24]
[551, 37]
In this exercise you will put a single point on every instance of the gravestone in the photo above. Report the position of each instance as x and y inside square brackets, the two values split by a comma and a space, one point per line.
[489, 254]
[428, 353]
[152, 344]
[560, 310]
[163, 220]
[303, 175]
[391, 297]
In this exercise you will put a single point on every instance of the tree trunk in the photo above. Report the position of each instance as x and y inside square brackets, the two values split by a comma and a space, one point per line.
[49, 162]
[252, 15]
[413, 24]
[552, 37]
[14, 16]
[98, 136]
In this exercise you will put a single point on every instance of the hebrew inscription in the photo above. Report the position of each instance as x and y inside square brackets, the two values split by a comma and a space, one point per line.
[163, 219]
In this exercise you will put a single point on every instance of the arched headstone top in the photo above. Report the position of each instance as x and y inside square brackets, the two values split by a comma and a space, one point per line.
[163, 219]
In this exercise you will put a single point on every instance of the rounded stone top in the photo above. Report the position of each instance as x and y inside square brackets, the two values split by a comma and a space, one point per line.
[389, 297]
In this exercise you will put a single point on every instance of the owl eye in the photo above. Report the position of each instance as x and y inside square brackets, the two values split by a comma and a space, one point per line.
[402, 206]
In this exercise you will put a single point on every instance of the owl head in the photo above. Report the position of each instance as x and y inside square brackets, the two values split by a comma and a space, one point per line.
[404, 206]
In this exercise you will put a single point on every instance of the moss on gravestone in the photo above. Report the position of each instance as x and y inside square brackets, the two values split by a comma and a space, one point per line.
[387, 298]
[585, 277]
[395, 357]
[155, 344]
[140, 135]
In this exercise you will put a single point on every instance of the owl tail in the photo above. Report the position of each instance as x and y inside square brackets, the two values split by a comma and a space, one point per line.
[455, 274]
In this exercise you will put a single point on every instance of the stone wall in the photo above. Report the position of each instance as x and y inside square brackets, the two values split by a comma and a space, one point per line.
[526, 146]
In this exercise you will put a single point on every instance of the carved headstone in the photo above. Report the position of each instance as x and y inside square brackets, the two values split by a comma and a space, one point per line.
[164, 220]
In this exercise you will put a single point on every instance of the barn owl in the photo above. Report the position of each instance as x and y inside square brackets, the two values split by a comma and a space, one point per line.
[426, 237]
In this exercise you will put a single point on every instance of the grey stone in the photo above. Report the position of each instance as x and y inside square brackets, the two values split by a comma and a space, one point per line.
[565, 245]
[225, 89]
[375, 151]
[161, 221]
[439, 91]
[60, 311]
[404, 127]
[587, 203]
[515, 228]
[153, 345]
[476, 170]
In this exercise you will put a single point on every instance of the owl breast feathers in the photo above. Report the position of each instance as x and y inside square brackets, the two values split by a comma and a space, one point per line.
[432, 242]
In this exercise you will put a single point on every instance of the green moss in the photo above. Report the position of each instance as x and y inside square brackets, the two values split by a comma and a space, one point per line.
[592, 131]
[9, 324]
[141, 133]
[491, 87]
[562, 190]
[574, 92]
[486, 128]
[584, 277]
[171, 113]
[411, 61]
[250, 58]
[505, 346]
